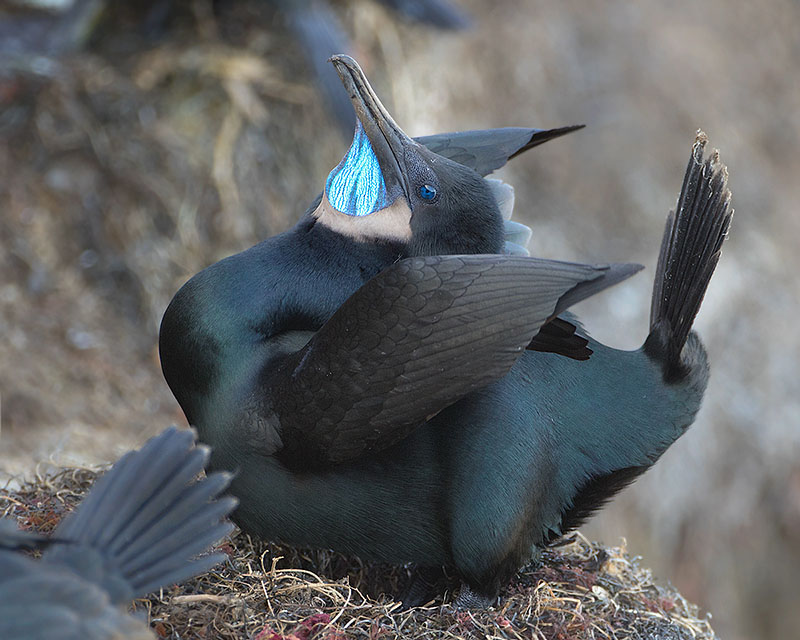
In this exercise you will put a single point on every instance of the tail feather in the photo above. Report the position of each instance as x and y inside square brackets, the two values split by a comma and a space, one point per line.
[689, 254]
[145, 520]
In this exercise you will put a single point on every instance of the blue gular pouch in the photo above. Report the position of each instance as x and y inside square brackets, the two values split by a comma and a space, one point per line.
[356, 186]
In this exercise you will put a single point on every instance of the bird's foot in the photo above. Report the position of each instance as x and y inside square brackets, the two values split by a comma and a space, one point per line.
[426, 583]
[469, 599]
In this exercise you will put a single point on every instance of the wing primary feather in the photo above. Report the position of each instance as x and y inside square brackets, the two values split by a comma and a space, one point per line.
[148, 505]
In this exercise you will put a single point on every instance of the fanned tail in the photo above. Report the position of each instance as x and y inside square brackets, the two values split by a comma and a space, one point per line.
[689, 254]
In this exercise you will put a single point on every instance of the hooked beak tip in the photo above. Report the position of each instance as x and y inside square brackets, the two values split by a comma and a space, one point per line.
[339, 60]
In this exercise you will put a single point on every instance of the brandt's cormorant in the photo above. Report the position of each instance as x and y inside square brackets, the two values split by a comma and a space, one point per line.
[386, 381]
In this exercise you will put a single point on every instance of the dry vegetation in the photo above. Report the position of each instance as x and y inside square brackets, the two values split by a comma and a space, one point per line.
[129, 166]
[575, 591]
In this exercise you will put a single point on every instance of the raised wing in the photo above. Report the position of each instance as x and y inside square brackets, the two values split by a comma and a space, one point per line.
[487, 150]
[413, 340]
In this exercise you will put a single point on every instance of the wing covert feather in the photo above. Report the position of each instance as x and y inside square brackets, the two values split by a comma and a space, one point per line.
[413, 340]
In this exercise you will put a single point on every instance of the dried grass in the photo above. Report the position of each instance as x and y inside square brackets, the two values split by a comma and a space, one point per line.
[577, 590]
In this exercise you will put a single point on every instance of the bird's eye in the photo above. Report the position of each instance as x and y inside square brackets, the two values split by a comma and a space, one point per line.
[427, 192]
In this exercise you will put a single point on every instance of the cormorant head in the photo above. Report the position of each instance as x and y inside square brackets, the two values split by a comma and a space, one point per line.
[389, 187]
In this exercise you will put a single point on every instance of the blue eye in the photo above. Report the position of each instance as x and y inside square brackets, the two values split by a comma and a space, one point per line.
[427, 192]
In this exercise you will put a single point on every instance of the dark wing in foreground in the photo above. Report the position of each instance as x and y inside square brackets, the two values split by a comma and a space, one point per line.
[145, 524]
[13, 538]
[39, 601]
[145, 521]
[413, 340]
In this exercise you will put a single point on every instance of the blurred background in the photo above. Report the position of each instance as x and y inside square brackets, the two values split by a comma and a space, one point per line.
[141, 141]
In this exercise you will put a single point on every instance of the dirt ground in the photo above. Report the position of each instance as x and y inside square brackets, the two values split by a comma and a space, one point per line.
[126, 168]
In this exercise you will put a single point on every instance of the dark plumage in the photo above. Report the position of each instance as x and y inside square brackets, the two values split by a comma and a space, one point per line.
[386, 382]
[488, 150]
[138, 529]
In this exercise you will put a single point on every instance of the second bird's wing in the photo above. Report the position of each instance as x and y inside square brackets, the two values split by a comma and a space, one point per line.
[12, 538]
[415, 339]
[146, 522]
[40, 601]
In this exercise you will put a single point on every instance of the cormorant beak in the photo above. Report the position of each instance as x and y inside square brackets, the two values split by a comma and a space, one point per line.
[387, 139]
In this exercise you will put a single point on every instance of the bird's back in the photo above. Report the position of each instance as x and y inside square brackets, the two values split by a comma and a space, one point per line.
[554, 440]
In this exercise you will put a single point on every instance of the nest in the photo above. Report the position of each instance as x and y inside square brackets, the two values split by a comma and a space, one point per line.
[576, 589]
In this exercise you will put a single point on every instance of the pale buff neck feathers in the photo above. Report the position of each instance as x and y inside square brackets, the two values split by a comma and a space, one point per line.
[390, 223]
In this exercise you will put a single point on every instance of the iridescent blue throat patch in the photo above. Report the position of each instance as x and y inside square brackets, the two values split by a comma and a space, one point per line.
[356, 185]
